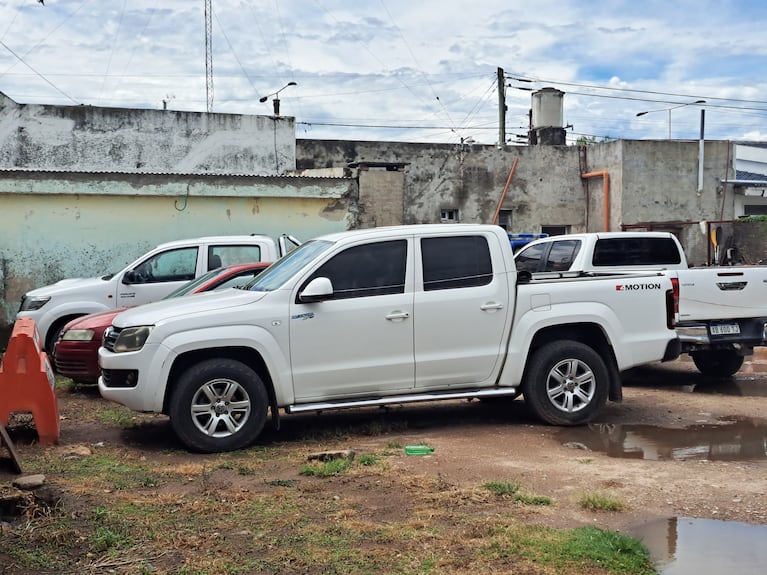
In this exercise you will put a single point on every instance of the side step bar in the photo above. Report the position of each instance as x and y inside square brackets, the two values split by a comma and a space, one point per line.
[493, 392]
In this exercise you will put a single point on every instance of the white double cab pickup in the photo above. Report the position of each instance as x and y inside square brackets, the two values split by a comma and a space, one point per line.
[722, 311]
[150, 278]
[381, 316]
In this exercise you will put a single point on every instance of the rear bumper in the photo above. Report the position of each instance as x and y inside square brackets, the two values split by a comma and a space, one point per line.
[751, 332]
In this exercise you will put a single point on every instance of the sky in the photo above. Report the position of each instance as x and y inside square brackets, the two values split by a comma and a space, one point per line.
[404, 70]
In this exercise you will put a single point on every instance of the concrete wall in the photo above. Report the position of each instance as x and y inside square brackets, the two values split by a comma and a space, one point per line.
[57, 225]
[94, 138]
[653, 182]
[470, 178]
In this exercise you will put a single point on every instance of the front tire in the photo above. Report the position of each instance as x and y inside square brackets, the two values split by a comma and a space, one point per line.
[218, 405]
[717, 362]
[566, 383]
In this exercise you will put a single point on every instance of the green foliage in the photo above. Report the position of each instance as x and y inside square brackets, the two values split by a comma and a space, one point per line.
[105, 539]
[601, 502]
[588, 140]
[582, 550]
[511, 489]
[614, 551]
[326, 468]
[368, 459]
[502, 487]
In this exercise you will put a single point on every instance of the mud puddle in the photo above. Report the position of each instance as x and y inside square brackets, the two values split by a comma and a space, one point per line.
[733, 440]
[689, 546]
[750, 387]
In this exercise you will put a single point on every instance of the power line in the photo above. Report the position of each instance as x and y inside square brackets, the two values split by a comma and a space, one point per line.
[46, 80]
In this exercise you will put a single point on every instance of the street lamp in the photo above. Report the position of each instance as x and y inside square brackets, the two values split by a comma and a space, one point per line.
[276, 100]
[669, 112]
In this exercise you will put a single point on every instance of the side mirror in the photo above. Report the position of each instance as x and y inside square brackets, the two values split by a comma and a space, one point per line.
[317, 290]
[129, 277]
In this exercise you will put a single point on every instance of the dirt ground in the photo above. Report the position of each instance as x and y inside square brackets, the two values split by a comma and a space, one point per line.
[678, 445]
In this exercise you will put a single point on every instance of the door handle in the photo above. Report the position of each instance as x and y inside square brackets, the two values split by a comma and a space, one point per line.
[395, 315]
[491, 305]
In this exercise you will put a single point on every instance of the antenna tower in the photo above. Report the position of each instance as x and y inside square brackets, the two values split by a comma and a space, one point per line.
[209, 54]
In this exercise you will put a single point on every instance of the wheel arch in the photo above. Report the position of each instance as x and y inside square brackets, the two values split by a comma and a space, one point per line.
[589, 334]
[246, 355]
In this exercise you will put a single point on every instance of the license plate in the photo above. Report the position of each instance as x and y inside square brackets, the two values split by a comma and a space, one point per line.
[725, 329]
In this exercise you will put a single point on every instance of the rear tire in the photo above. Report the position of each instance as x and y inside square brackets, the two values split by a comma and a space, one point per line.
[566, 383]
[218, 405]
[717, 362]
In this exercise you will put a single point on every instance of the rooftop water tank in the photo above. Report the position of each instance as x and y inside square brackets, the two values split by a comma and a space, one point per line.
[547, 118]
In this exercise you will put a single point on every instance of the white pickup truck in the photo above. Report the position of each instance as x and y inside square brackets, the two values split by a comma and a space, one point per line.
[383, 316]
[722, 311]
[150, 278]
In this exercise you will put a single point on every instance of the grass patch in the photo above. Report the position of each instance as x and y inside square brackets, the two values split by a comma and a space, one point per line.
[326, 468]
[616, 552]
[133, 509]
[511, 489]
[368, 459]
[281, 483]
[502, 488]
[581, 550]
[601, 502]
[121, 417]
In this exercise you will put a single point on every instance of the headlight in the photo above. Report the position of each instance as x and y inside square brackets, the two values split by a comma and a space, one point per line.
[132, 338]
[33, 303]
[77, 335]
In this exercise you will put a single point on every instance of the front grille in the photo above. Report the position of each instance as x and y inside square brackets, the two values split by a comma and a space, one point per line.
[110, 337]
[71, 366]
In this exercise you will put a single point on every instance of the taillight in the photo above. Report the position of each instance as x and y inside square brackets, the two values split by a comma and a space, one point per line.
[675, 289]
[672, 303]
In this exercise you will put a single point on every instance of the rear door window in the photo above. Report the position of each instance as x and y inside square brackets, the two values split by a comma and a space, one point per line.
[561, 255]
[529, 259]
[455, 262]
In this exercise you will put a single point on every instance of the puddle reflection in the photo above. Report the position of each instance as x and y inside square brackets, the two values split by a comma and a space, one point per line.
[736, 440]
[749, 387]
[660, 375]
[689, 546]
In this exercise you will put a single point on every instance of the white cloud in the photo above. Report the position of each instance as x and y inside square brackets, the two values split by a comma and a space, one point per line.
[426, 63]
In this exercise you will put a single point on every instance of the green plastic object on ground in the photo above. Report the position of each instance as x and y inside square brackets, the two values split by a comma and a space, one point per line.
[418, 450]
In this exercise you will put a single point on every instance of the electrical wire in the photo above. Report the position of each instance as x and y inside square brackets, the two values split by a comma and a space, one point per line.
[46, 80]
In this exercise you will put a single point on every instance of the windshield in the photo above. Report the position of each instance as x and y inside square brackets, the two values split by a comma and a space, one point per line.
[282, 270]
[189, 287]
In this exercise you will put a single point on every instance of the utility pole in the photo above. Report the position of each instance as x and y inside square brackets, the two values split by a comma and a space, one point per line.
[209, 54]
[501, 109]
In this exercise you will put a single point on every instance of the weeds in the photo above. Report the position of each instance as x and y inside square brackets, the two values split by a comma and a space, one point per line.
[601, 502]
[511, 489]
[326, 468]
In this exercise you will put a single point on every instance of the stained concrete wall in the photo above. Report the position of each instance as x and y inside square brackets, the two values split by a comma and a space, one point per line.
[649, 182]
[545, 187]
[57, 225]
[94, 138]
